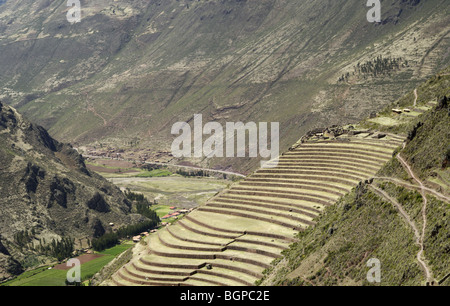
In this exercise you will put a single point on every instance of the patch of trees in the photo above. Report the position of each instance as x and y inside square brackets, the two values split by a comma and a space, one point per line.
[376, 67]
[142, 205]
[188, 173]
[59, 249]
[23, 238]
[150, 167]
[134, 196]
[143, 208]
[111, 239]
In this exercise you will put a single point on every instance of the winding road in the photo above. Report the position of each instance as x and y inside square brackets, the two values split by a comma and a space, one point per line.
[167, 164]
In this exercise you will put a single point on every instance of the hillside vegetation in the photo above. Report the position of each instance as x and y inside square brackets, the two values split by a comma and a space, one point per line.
[387, 218]
[50, 203]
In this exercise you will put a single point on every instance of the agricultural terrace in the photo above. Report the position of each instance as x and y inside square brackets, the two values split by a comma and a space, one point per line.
[231, 239]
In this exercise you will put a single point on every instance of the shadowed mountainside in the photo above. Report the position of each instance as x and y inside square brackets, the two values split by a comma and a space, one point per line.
[46, 193]
[130, 69]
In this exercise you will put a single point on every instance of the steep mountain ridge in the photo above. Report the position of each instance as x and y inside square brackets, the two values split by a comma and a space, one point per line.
[130, 69]
[47, 192]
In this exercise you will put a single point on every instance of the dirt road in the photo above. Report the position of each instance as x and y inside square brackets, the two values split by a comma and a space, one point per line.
[171, 165]
[431, 191]
[424, 217]
[415, 94]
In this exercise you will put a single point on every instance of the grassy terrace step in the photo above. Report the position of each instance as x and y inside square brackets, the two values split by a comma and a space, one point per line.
[250, 247]
[212, 227]
[311, 161]
[298, 186]
[198, 282]
[190, 233]
[220, 273]
[187, 235]
[229, 277]
[319, 178]
[289, 191]
[123, 274]
[152, 264]
[158, 247]
[245, 204]
[365, 147]
[247, 227]
[301, 204]
[326, 151]
[332, 187]
[172, 247]
[258, 217]
[298, 196]
[199, 239]
[361, 170]
[369, 145]
[311, 172]
[335, 156]
[235, 266]
[206, 232]
[171, 241]
[137, 273]
[155, 261]
[260, 260]
[211, 281]
[150, 270]
[391, 141]
[294, 216]
[330, 167]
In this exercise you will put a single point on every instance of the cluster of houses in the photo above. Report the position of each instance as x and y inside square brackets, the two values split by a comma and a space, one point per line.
[176, 213]
[399, 111]
[138, 238]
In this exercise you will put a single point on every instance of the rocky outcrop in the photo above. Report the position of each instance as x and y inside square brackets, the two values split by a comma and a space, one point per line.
[9, 267]
[47, 192]
[98, 203]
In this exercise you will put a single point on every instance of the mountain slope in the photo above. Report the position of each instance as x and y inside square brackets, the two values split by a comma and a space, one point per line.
[130, 69]
[400, 217]
[46, 193]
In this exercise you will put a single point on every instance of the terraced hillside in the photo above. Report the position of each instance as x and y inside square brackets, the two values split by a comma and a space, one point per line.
[237, 234]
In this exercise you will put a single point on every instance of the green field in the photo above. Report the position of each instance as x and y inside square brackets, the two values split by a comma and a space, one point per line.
[111, 171]
[53, 277]
[173, 190]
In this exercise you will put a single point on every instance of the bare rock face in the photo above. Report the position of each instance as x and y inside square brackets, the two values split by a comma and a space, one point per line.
[47, 191]
[9, 267]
